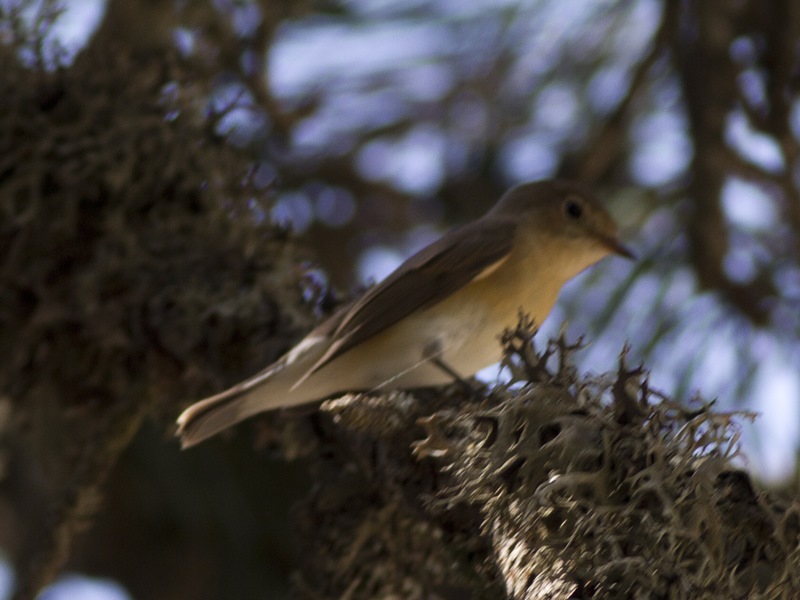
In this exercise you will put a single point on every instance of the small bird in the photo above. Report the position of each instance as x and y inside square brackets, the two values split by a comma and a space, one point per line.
[440, 314]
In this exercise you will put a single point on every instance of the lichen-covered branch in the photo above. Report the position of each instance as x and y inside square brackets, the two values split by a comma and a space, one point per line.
[134, 276]
[563, 487]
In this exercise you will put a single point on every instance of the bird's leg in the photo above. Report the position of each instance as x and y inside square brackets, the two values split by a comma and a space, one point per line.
[433, 353]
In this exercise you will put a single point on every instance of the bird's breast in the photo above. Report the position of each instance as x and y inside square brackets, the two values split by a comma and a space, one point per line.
[463, 330]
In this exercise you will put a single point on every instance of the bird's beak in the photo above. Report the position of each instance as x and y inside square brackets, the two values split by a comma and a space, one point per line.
[616, 247]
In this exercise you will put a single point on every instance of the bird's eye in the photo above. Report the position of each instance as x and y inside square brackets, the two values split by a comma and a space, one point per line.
[573, 209]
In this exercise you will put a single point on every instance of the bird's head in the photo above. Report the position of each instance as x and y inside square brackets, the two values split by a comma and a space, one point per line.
[564, 220]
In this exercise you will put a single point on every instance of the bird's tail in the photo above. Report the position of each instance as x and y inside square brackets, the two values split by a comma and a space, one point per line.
[210, 416]
[268, 390]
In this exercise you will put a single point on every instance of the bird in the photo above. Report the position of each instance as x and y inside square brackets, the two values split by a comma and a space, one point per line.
[439, 315]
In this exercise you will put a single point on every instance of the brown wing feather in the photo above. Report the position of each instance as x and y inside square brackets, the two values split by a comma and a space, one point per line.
[423, 280]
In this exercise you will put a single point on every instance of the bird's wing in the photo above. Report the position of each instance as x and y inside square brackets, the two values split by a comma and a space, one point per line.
[426, 278]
